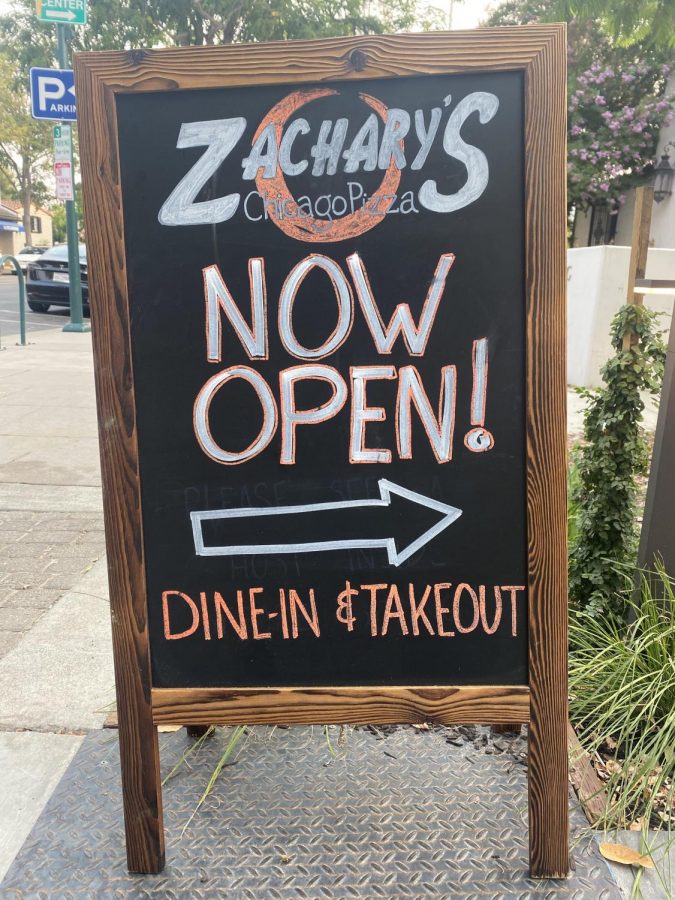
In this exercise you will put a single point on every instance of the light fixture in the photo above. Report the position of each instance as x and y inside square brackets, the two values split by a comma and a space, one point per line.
[662, 179]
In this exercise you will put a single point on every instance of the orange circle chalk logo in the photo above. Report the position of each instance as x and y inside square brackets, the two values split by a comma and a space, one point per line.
[276, 194]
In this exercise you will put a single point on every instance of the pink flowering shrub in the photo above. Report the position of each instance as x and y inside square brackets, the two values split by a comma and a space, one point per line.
[615, 115]
[617, 104]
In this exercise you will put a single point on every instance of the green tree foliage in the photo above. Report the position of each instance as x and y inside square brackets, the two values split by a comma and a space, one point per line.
[648, 22]
[522, 12]
[24, 145]
[613, 454]
[617, 104]
[121, 24]
[58, 211]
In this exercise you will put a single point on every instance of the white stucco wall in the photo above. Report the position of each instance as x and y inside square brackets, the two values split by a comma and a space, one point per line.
[596, 287]
[624, 227]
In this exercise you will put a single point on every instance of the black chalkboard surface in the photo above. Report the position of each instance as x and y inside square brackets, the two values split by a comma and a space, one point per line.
[326, 289]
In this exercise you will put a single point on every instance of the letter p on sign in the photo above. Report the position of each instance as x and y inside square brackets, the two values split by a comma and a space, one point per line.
[52, 94]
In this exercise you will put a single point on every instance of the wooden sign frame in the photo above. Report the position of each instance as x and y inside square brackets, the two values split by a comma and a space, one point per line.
[539, 52]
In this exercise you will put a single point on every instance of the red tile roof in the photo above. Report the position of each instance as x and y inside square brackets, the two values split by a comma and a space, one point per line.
[18, 207]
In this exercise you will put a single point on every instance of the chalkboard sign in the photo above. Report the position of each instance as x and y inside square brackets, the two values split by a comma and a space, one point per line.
[327, 311]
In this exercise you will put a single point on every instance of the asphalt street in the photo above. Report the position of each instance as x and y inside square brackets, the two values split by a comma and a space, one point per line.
[9, 313]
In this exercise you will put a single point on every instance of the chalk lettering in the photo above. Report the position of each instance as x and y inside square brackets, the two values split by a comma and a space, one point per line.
[474, 160]
[393, 610]
[362, 413]
[218, 298]
[296, 605]
[263, 155]
[344, 606]
[238, 625]
[415, 336]
[343, 296]
[456, 606]
[202, 407]
[441, 610]
[256, 612]
[438, 430]
[287, 614]
[363, 148]
[176, 636]
[326, 152]
[291, 416]
[417, 609]
[220, 136]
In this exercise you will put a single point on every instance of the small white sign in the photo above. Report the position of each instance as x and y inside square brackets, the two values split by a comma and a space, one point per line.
[63, 161]
[63, 145]
[63, 174]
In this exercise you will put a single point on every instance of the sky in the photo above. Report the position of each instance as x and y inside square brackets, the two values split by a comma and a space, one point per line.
[469, 13]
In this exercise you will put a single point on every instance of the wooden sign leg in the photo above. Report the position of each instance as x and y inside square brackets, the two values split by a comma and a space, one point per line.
[139, 748]
[548, 794]
[141, 791]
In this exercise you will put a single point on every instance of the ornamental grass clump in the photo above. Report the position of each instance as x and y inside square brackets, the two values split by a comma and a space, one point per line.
[622, 697]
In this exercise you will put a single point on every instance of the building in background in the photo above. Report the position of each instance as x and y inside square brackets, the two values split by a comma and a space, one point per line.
[597, 272]
[12, 235]
[10, 228]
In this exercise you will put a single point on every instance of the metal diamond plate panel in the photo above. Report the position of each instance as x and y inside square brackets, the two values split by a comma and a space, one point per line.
[400, 813]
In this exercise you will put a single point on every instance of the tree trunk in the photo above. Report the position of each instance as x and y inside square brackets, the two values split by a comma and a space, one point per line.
[26, 197]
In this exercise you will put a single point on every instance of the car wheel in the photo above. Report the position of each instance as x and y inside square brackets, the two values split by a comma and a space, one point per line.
[37, 306]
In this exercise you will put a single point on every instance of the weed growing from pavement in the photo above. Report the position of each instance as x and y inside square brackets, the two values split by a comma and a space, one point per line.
[193, 748]
[235, 737]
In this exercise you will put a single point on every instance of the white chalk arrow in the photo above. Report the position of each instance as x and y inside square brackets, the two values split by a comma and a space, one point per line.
[448, 514]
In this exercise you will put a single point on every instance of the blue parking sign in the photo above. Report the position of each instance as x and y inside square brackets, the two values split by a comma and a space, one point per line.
[52, 94]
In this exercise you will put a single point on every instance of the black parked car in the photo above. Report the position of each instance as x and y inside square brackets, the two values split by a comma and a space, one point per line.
[47, 281]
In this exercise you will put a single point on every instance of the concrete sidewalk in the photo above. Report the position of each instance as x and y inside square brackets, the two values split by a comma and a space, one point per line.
[55, 651]
[51, 529]
[56, 676]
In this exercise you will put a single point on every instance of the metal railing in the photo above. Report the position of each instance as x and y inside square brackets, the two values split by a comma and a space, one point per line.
[22, 294]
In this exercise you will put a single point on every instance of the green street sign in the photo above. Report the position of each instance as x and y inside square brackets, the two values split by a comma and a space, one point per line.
[62, 12]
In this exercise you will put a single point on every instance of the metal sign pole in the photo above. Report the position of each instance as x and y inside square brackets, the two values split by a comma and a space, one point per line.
[75, 285]
[22, 295]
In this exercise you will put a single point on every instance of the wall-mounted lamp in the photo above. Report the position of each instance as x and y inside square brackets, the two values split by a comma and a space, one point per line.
[662, 179]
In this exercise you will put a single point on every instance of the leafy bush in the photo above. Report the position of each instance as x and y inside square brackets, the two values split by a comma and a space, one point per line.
[573, 488]
[614, 452]
[622, 693]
